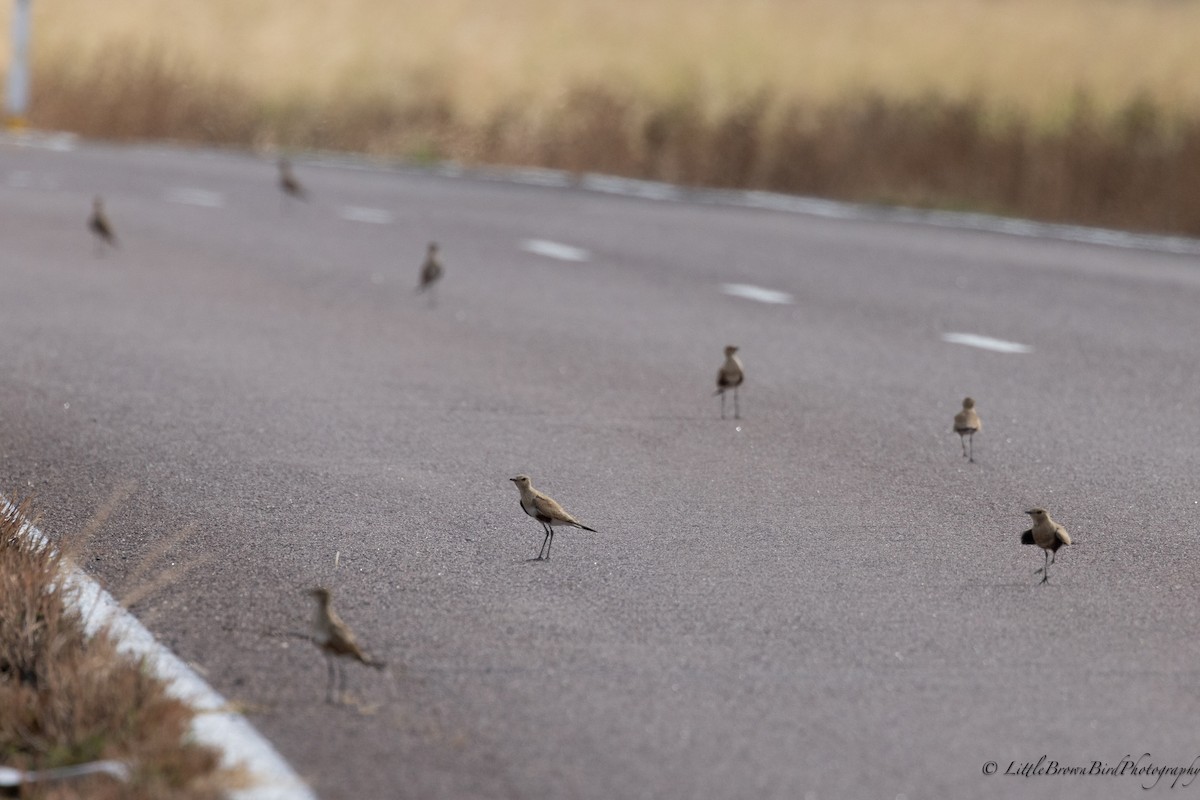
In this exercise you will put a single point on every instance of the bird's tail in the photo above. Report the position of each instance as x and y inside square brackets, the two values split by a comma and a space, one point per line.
[586, 528]
[1027, 537]
[379, 665]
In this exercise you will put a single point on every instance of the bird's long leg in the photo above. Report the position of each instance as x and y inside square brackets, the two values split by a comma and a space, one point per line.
[546, 528]
[551, 544]
[737, 411]
[722, 404]
[1045, 570]
[329, 686]
[971, 439]
[341, 682]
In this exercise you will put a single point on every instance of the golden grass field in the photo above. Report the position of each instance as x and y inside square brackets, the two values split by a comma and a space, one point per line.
[484, 54]
[1073, 110]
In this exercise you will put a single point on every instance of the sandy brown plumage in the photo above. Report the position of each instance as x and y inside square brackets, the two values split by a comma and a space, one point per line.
[545, 510]
[288, 183]
[99, 225]
[431, 270]
[1048, 535]
[730, 376]
[336, 640]
[966, 425]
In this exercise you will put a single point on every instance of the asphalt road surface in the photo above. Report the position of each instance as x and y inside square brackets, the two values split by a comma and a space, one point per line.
[822, 600]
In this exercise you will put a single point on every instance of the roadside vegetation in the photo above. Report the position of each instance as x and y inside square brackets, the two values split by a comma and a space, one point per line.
[67, 698]
[1074, 111]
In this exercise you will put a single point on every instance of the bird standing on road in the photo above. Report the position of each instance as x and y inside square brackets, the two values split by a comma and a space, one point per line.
[545, 511]
[336, 641]
[966, 425]
[730, 376]
[1046, 534]
[98, 224]
[288, 183]
[431, 272]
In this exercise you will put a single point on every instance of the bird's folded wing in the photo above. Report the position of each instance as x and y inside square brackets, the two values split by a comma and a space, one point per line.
[341, 638]
[548, 508]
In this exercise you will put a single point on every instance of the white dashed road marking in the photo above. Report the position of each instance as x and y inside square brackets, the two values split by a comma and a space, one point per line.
[986, 343]
[196, 197]
[751, 292]
[374, 216]
[563, 252]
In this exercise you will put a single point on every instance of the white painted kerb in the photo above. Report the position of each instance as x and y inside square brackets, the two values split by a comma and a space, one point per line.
[215, 726]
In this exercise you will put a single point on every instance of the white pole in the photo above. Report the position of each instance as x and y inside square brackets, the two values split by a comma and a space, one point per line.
[17, 103]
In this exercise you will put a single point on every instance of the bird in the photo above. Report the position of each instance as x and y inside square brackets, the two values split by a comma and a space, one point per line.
[730, 376]
[288, 183]
[545, 511]
[1046, 534]
[431, 272]
[98, 224]
[966, 425]
[336, 641]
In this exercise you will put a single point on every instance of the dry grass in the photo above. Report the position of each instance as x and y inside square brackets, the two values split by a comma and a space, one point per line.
[68, 699]
[483, 55]
[1079, 111]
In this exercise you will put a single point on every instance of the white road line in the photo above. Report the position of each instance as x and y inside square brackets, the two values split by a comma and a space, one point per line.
[751, 292]
[58, 142]
[563, 252]
[954, 220]
[196, 197]
[833, 209]
[631, 187]
[215, 726]
[374, 216]
[552, 178]
[986, 343]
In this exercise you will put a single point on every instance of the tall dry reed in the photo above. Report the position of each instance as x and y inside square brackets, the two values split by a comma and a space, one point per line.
[1134, 167]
